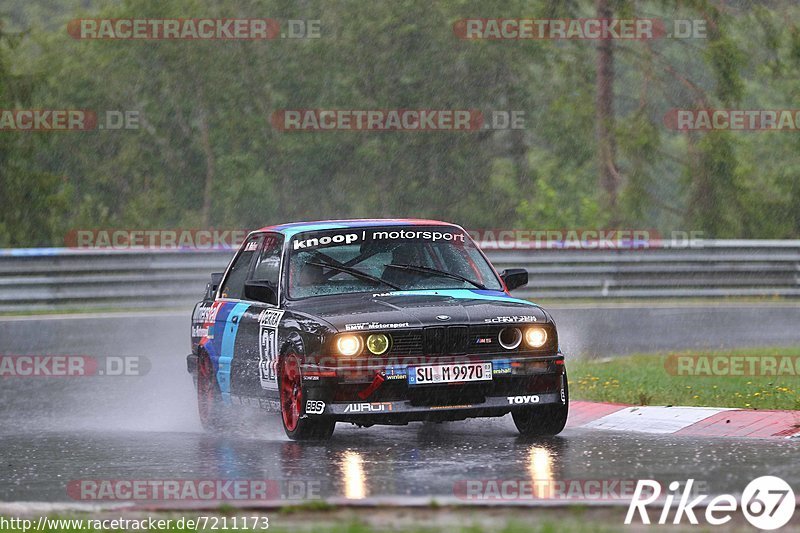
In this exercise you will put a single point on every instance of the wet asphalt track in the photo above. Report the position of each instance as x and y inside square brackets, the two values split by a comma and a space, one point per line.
[56, 430]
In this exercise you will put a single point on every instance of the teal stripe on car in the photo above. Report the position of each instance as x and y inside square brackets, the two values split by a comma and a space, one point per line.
[226, 351]
[463, 294]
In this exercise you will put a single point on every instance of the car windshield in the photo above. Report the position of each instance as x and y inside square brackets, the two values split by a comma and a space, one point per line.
[380, 259]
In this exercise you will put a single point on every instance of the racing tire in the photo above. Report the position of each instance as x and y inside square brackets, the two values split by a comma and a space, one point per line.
[296, 424]
[543, 420]
[213, 412]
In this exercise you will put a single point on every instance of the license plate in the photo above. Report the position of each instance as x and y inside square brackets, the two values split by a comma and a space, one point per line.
[453, 373]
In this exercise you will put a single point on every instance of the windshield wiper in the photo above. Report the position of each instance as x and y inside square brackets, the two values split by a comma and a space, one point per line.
[437, 272]
[353, 272]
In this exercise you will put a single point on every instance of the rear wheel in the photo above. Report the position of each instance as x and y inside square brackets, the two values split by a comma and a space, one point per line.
[545, 419]
[295, 423]
[209, 397]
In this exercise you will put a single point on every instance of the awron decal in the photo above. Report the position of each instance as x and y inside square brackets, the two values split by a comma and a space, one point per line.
[368, 407]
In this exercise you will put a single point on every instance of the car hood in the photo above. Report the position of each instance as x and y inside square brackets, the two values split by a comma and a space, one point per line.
[409, 309]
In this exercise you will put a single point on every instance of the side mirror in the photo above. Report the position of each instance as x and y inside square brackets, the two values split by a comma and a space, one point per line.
[213, 285]
[260, 291]
[514, 277]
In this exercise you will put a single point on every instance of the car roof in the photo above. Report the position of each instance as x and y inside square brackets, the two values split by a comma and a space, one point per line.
[293, 228]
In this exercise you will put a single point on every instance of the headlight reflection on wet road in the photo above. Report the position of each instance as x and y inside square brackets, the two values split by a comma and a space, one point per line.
[355, 481]
[540, 469]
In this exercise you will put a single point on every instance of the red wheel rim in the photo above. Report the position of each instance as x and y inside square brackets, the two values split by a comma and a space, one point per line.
[205, 388]
[291, 392]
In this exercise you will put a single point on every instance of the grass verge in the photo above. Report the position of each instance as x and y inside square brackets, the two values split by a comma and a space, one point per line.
[650, 379]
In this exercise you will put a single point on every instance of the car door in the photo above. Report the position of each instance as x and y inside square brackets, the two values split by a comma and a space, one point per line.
[226, 313]
[254, 365]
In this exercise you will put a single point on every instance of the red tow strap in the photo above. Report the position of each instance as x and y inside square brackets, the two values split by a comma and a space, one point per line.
[380, 377]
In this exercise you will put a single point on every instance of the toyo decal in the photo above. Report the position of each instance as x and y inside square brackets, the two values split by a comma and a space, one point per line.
[528, 398]
[268, 322]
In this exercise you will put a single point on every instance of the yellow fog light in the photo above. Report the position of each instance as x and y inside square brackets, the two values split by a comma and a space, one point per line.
[510, 338]
[378, 343]
[535, 337]
[349, 345]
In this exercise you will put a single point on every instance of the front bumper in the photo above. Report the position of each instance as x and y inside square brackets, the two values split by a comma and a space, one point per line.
[401, 412]
[380, 393]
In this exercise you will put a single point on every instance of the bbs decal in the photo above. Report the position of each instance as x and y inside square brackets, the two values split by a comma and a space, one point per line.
[268, 322]
[315, 407]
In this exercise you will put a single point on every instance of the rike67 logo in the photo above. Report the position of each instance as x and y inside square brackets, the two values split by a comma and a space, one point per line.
[767, 502]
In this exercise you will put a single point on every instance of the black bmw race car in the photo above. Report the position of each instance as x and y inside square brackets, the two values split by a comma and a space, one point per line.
[373, 322]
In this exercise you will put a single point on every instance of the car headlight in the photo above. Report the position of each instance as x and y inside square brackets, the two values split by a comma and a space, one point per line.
[378, 343]
[535, 337]
[349, 345]
[510, 338]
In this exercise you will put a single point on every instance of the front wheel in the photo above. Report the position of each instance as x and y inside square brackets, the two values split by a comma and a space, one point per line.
[297, 425]
[545, 419]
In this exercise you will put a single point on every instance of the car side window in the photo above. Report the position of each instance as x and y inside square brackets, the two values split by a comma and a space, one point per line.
[268, 267]
[233, 287]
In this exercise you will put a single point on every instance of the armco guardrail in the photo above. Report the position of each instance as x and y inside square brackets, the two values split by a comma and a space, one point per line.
[60, 278]
[722, 268]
